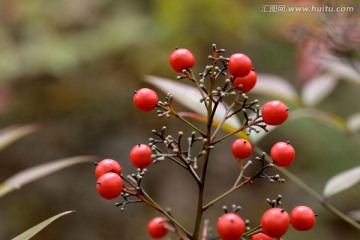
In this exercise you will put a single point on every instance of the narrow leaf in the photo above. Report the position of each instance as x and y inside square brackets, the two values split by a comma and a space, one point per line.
[353, 122]
[318, 89]
[275, 87]
[343, 68]
[190, 97]
[11, 134]
[37, 172]
[342, 181]
[37, 228]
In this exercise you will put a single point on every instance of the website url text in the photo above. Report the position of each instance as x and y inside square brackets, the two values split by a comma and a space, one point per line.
[313, 8]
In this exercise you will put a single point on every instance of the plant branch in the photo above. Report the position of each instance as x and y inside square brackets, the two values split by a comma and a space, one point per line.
[252, 231]
[201, 89]
[208, 147]
[215, 141]
[188, 123]
[232, 189]
[222, 121]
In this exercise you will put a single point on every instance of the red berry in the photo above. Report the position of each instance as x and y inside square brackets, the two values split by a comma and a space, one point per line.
[248, 82]
[282, 153]
[157, 227]
[109, 185]
[105, 166]
[230, 226]
[181, 59]
[274, 112]
[261, 236]
[241, 148]
[145, 99]
[239, 65]
[275, 222]
[302, 218]
[140, 156]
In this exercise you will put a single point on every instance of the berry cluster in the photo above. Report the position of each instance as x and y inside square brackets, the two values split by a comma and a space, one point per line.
[109, 183]
[274, 223]
[240, 78]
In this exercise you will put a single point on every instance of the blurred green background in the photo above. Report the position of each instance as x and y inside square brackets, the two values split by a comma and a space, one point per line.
[72, 66]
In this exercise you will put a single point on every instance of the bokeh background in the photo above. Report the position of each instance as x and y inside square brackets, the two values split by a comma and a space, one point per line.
[71, 66]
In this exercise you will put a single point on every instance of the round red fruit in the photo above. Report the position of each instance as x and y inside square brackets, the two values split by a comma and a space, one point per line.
[247, 83]
[239, 65]
[140, 156]
[241, 148]
[282, 153]
[181, 59]
[109, 185]
[275, 222]
[302, 218]
[261, 236]
[274, 112]
[157, 227]
[230, 226]
[145, 99]
[105, 166]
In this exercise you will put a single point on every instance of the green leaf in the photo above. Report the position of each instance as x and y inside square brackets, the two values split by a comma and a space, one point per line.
[37, 228]
[318, 89]
[190, 97]
[342, 181]
[331, 120]
[275, 87]
[39, 171]
[12, 134]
